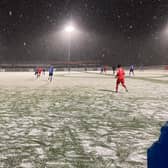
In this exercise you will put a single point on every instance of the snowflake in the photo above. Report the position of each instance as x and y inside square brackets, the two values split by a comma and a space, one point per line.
[48, 17]
[154, 17]
[141, 2]
[130, 26]
[10, 13]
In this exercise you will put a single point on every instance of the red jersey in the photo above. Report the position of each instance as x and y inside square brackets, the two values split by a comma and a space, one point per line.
[39, 70]
[120, 74]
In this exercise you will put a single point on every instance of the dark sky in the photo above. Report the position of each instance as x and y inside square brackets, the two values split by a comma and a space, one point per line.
[114, 31]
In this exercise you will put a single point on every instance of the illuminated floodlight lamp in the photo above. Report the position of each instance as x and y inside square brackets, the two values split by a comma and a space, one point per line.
[69, 28]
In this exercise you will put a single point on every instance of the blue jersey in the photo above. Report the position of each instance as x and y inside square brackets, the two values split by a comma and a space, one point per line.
[51, 70]
[132, 67]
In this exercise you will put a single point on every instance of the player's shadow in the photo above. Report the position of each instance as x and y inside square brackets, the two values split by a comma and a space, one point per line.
[105, 90]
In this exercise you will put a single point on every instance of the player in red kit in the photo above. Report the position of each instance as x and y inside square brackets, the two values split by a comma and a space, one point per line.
[120, 78]
[39, 70]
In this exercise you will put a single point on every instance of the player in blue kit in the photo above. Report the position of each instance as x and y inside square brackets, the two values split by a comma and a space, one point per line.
[51, 71]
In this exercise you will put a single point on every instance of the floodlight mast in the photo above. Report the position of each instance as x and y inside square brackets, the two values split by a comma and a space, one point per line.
[69, 29]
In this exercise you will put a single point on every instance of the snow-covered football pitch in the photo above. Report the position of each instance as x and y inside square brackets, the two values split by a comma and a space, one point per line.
[78, 121]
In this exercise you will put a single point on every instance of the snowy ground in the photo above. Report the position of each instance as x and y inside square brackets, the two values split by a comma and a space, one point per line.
[78, 121]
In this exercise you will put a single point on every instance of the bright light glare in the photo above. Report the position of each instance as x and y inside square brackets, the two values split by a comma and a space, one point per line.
[69, 28]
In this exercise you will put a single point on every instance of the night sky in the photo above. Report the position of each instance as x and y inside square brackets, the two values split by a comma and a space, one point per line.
[113, 31]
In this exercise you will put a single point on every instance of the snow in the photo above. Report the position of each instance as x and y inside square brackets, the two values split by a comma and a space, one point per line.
[78, 119]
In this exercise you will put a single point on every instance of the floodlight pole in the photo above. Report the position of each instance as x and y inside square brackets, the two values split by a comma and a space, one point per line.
[69, 50]
[69, 30]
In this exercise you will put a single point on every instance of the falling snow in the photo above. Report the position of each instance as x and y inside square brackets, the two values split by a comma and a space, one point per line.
[130, 26]
[107, 23]
[10, 13]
